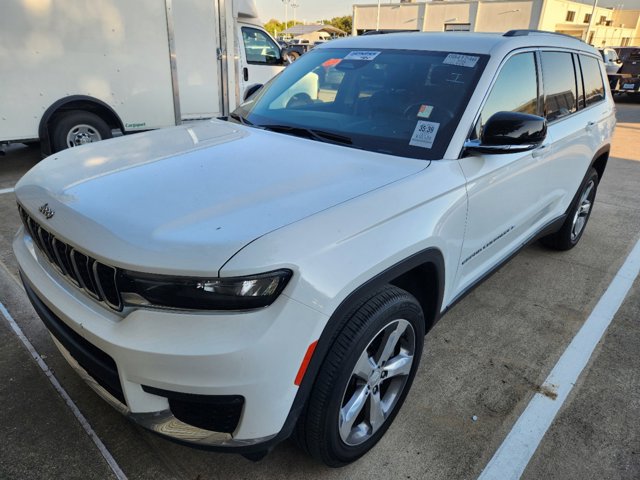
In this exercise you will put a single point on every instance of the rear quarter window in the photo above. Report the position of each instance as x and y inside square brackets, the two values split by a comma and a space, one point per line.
[592, 78]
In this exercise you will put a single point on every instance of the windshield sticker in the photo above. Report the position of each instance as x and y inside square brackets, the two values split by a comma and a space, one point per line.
[424, 134]
[461, 60]
[425, 111]
[366, 55]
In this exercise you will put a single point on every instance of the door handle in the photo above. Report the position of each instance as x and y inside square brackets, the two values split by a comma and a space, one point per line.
[590, 126]
[540, 151]
[245, 74]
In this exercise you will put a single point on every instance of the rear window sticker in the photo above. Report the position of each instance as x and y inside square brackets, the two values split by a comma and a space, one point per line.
[461, 60]
[366, 55]
[425, 111]
[424, 134]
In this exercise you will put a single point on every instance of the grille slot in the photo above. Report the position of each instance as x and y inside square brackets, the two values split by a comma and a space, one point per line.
[83, 267]
[97, 279]
[105, 276]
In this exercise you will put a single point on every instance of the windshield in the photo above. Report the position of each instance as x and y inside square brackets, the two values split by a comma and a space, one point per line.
[399, 102]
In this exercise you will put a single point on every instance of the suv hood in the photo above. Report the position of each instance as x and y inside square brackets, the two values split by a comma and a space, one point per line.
[186, 199]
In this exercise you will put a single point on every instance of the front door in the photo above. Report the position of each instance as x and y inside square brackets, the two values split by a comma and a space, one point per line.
[509, 194]
[261, 58]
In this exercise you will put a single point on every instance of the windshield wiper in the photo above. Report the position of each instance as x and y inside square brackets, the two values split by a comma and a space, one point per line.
[240, 119]
[313, 134]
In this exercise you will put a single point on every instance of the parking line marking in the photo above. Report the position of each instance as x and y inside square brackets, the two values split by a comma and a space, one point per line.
[513, 456]
[65, 396]
[6, 190]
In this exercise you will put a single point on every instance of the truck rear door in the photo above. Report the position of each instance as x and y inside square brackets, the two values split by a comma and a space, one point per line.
[197, 41]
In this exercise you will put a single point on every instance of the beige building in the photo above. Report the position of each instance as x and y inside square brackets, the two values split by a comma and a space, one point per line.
[604, 26]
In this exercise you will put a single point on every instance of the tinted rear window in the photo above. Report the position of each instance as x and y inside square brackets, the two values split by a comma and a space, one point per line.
[559, 84]
[592, 78]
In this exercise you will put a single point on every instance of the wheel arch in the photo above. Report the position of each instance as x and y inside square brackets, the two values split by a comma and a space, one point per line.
[600, 159]
[75, 102]
[422, 274]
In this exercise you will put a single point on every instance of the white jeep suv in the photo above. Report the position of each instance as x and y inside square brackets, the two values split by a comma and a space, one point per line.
[231, 283]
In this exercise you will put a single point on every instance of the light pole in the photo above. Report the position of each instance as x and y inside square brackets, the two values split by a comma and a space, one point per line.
[286, 14]
[593, 12]
[294, 5]
[378, 17]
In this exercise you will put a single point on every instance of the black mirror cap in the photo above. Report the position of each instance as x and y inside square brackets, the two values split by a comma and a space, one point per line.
[514, 128]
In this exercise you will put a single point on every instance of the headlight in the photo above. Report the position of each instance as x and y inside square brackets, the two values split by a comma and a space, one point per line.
[194, 293]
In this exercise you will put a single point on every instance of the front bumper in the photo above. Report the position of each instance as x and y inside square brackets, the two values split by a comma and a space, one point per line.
[251, 355]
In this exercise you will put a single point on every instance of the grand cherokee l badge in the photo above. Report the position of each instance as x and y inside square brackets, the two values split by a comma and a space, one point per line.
[47, 211]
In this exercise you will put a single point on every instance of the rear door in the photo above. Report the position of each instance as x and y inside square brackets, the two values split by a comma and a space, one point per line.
[196, 43]
[576, 121]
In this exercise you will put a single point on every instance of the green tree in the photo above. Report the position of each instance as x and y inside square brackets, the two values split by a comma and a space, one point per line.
[275, 27]
[343, 23]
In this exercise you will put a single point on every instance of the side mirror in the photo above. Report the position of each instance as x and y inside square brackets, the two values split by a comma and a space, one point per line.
[251, 90]
[509, 132]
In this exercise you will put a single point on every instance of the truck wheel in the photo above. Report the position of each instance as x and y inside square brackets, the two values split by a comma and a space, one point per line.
[293, 56]
[77, 127]
[364, 378]
[571, 231]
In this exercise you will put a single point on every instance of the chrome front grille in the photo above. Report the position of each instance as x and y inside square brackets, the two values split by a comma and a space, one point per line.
[98, 280]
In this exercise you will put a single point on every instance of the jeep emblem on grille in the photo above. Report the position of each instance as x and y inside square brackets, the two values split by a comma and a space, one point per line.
[47, 211]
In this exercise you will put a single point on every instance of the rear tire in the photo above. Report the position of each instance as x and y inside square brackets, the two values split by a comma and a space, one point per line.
[77, 127]
[573, 227]
[364, 378]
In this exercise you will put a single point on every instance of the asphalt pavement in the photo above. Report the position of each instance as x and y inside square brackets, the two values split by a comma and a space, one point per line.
[482, 365]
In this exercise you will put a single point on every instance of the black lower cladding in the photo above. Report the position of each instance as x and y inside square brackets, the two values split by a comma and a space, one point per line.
[97, 363]
[218, 413]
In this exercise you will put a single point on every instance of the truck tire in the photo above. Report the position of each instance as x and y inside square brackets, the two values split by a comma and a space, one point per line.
[293, 56]
[77, 127]
[364, 378]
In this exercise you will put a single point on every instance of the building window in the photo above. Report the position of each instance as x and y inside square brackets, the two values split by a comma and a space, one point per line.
[587, 18]
[571, 15]
[603, 20]
[457, 27]
[591, 35]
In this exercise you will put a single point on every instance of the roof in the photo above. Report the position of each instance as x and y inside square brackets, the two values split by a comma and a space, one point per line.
[305, 29]
[463, 42]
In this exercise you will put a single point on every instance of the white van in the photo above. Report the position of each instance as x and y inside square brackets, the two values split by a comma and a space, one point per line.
[73, 71]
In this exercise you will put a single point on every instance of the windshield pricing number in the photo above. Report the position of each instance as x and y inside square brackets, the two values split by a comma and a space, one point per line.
[424, 134]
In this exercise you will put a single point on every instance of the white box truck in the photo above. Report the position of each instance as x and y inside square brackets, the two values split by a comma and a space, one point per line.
[72, 71]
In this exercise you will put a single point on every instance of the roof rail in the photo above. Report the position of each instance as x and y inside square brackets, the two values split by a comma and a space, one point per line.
[525, 32]
[384, 32]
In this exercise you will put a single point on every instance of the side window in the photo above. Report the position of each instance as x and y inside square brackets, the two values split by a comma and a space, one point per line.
[559, 82]
[592, 77]
[259, 48]
[515, 90]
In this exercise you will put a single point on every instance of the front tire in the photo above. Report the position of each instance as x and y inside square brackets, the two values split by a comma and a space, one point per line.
[573, 227]
[364, 378]
[77, 127]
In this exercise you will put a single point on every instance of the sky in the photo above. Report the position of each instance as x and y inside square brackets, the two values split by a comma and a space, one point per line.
[308, 10]
[312, 10]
